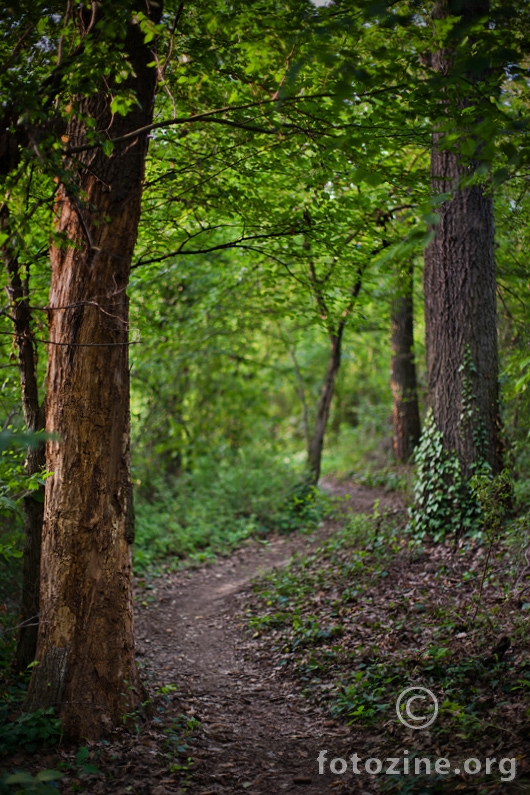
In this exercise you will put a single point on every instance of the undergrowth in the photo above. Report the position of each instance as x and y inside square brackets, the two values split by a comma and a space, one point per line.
[27, 732]
[220, 504]
[373, 611]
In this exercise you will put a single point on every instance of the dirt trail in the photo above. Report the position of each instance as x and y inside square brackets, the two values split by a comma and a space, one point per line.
[258, 734]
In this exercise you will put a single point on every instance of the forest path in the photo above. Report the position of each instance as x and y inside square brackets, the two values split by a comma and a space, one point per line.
[257, 734]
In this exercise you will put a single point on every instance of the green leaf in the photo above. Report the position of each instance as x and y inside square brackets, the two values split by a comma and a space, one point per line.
[91, 769]
[372, 178]
[48, 775]
[107, 147]
[82, 754]
[23, 777]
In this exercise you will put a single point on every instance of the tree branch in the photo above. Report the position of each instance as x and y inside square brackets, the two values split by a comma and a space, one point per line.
[220, 247]
[207, 116]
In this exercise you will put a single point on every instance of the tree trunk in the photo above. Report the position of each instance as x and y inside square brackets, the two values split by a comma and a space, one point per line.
[316, 442]
[86, 646]
[405, 413]
[460, 306]
[35, 459]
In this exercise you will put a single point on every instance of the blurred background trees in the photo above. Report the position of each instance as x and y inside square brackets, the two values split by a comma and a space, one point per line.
[276, 326]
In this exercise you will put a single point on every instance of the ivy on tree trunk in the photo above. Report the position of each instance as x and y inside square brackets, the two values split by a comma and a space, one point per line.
[460, 294]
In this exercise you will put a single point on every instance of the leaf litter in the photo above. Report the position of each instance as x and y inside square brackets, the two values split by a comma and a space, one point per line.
[255, 664]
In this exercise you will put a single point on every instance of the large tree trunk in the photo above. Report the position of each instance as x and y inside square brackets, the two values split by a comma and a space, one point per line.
[86, 648]
[35, 460]
[405, 413]
[460, 307]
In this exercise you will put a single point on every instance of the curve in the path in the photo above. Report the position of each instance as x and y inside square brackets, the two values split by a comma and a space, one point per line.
[258, 734]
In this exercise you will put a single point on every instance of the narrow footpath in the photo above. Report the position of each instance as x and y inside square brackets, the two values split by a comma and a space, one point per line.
[257, 733]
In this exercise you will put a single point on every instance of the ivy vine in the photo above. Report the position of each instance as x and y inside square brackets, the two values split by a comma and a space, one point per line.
[470, 415]
[444, 503]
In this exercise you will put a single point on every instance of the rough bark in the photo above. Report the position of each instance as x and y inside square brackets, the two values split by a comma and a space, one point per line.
[405, 413]
[460, 306]
[86, 645]
[20, 310]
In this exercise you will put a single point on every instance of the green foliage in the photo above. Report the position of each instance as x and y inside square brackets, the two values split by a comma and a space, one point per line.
[11, 547]
[83, 764]
[318, 160]
[367, 614]
[495, 496]
[388, 479]
[256, 218]
[444, 503]
[369, 696]
[20, 730]
[15, 484]
[12, 483]
[27, 730]
[43, 783]
[219, 504]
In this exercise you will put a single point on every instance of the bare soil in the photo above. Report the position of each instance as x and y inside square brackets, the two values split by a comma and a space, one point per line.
[258, 734]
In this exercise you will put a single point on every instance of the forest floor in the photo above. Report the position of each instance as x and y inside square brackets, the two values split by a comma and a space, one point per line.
[227, 711]
[257, 732]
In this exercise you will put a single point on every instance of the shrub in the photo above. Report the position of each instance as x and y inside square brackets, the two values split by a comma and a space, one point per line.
[220, 504]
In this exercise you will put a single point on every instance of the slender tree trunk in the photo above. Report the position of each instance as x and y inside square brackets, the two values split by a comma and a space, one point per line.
[316, 442]
[286, 336]
[405, 413]
[86, 647]
[35, 459]
[460, 305]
